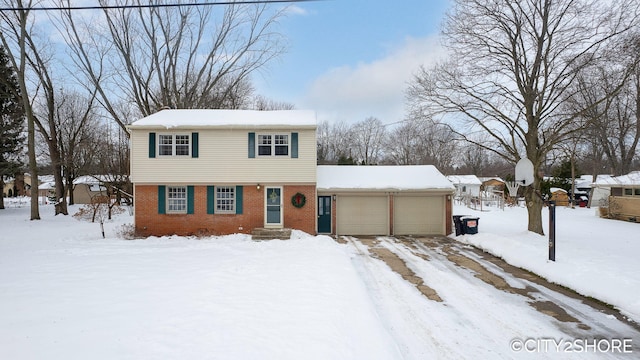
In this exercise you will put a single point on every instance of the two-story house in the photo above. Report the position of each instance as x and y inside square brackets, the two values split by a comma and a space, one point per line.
[201, 172]
[198, 172]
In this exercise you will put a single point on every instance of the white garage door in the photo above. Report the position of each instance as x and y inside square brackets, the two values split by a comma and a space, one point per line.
[418, 215]
[362, 215]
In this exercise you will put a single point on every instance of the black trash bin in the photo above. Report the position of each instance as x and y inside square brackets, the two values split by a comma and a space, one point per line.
[458, 224]
[470, 225]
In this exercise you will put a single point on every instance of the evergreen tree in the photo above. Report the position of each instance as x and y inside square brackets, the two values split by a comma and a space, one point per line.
[11, 122]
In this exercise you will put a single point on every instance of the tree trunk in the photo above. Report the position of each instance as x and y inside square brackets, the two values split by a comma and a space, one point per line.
[2, 193]
[573, 180]
[534, 207]
[61, 198]
[69, 190]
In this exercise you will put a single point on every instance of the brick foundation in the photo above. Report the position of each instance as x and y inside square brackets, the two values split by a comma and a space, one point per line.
[148, 222]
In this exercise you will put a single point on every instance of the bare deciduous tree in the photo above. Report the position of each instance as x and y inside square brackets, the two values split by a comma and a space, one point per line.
[181, 57]
[614, 124]
[334, 142]
[511, 65]
[421, 142]
[368, 139]
[15, 33]
[76, 121]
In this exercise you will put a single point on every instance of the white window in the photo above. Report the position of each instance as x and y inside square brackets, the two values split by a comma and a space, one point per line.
[177, 199]
[632, 192]
[173, 145]
[281, 145]
[264, 145]
[277, 145]
[225, 199]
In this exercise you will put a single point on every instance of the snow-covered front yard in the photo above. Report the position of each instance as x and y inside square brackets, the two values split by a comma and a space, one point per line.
[66, 293]
[594, 256]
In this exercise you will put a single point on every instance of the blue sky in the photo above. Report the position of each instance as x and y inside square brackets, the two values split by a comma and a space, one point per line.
[351, 59]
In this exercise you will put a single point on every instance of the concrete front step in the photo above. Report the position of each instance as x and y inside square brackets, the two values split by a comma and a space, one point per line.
[270, 234]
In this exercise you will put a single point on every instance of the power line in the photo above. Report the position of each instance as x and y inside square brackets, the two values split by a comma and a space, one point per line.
[142, 6]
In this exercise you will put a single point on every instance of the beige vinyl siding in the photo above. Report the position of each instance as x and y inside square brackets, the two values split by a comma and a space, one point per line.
[223, 158]
[418, 215]
[362, 215]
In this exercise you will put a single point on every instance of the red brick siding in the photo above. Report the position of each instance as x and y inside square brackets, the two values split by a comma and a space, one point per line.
[303, 218]
[149, 222]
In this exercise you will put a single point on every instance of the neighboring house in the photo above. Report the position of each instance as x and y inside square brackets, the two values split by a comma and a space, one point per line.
[492, 184]
[234, 171]
[601, 190]
[560, 196]
[624, 201]
[85, 188]
[223, 171]
[466, 185]
[384, 200]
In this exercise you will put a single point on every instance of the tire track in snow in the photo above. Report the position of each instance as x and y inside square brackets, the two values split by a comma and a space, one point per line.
[397, 305]
[575, 316]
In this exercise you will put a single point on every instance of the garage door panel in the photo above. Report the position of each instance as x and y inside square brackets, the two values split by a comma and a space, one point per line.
[418, 215]
[362, 215]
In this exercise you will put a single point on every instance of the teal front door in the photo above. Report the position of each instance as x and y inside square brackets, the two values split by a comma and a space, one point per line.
[324, 214]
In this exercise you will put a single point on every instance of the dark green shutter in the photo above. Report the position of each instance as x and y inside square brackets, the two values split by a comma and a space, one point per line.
[190, 197]
[238, 199]
[252, 145]
[152, 145]
[211, 200]
[194, 145]
[162, 199]
[294, 145]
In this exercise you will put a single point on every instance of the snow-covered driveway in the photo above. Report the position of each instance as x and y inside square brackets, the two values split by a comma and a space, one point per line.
[470, 302]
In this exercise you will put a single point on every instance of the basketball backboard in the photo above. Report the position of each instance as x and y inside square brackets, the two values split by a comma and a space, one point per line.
[524, 172]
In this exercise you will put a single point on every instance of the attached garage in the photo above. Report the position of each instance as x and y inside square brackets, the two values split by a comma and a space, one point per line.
[362, 214]
[418, 215]
[386, 200]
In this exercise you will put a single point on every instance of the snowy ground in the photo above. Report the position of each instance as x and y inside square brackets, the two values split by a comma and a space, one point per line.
[66, 293]
[594, 256]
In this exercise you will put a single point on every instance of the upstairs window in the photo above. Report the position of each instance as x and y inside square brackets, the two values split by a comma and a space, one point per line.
[264, 145]
[281, 145]
[173, 145]
[277, 145]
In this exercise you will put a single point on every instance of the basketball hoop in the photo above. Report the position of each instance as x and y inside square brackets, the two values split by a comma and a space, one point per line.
[513, 187]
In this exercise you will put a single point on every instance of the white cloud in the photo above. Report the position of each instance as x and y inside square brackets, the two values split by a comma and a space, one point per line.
[353, 93]
[295, 10]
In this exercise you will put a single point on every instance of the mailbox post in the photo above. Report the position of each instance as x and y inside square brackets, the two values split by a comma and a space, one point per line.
[552, 230]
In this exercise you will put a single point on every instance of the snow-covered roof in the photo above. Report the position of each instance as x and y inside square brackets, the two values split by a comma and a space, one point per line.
[631, 179]
[45, 179]
[195, 118]
[555, 189]
[87, 179]
[47, 186]
[464, 179]
[408, 177]
[485, 179]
